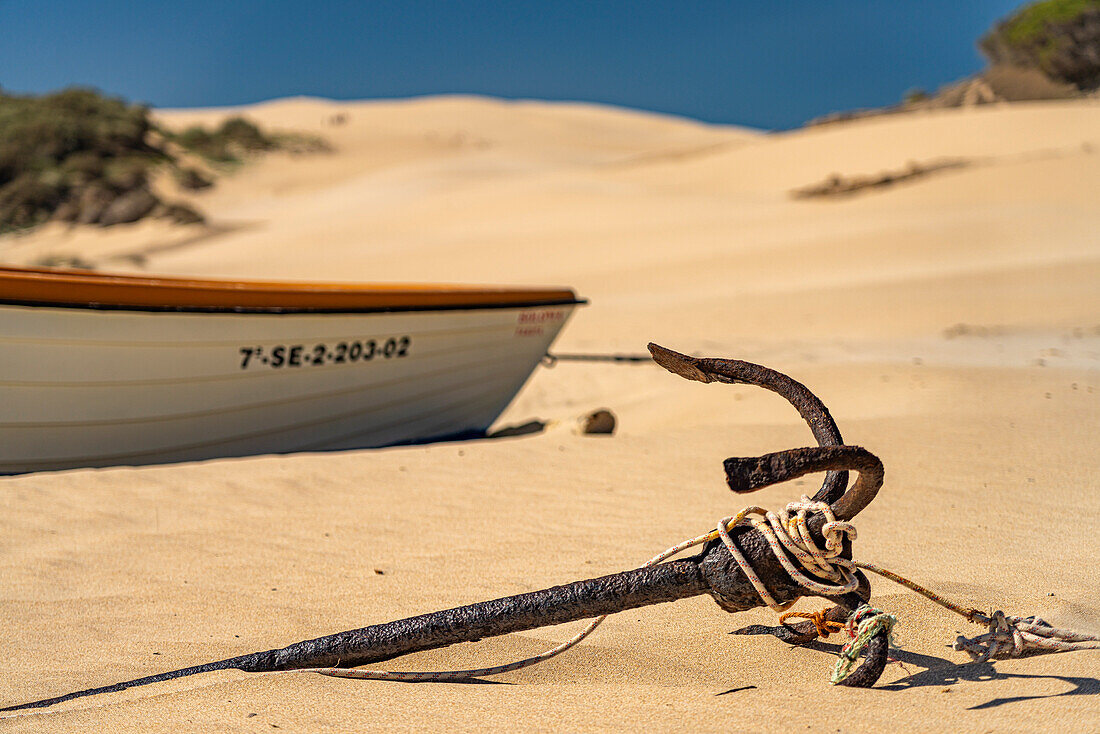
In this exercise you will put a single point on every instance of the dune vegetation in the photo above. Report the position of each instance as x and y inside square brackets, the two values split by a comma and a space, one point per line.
[82, 157]
[1061, 38]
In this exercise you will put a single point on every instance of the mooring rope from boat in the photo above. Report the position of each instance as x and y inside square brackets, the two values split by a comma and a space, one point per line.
[549, 360]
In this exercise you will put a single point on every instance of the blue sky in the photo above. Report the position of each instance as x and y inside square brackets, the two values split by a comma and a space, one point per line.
[766, 64]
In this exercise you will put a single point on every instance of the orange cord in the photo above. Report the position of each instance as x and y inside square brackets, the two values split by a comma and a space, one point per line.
[825, 627]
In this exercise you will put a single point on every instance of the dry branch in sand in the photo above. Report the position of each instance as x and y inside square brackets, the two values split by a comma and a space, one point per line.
[838, 185]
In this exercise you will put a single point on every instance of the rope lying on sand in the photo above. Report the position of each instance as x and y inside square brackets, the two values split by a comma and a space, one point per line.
[1010, 637]
[1007, 636]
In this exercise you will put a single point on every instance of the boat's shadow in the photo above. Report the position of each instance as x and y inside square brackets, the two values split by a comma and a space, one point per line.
[528, 428]
[519, 429]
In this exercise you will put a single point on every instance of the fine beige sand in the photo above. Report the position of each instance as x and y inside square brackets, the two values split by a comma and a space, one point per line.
[951, 323]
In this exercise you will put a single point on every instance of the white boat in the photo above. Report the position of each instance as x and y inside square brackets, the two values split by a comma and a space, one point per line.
[100, 370]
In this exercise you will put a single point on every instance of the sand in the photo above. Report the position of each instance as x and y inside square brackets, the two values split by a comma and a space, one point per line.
[951, 323]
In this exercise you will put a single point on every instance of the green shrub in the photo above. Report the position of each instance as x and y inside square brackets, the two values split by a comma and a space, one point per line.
[228, 143]
[1029, 23]
[1060, 38]
[239, 131]
[72, 154]
[915, 95]
[40, 132]
[54, 145]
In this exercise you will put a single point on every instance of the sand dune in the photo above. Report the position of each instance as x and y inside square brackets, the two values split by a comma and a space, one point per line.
[951, 323]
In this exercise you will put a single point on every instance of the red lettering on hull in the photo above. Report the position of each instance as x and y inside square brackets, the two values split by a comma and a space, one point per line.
[531, 323]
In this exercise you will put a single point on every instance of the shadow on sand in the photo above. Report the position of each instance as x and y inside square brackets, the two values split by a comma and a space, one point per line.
[943, 672]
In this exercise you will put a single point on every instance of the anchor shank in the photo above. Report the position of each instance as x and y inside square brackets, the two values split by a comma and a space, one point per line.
[579, 600]
[713, 571]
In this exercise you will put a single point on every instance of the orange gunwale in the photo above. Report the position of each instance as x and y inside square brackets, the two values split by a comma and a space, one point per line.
[89, 289]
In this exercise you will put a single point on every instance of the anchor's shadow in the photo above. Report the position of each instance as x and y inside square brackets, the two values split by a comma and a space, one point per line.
[943, 672]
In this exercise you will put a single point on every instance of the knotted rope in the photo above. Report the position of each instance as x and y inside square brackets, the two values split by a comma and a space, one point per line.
[823, 626]
[786, 529]
[1010, 637]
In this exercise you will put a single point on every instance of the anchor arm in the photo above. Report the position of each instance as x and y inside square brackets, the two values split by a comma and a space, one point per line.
[735, 371]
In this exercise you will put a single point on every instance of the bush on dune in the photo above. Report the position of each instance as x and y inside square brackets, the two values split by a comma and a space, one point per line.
[231, 141]
[39, 132]
[1061, 38]
[82, 157]
[53, 146]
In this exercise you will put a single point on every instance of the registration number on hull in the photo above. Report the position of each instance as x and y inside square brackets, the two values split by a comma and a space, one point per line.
[302, 355]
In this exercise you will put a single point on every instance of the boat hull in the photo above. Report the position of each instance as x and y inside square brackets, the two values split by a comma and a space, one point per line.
[83, 387]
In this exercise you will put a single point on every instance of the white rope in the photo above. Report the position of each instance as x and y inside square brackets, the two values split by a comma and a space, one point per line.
[784, 530]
